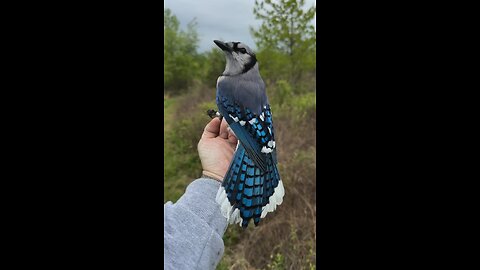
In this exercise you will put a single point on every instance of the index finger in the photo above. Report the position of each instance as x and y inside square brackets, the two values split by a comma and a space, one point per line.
[224, 129]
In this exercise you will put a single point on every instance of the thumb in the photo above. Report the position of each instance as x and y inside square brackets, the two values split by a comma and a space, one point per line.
[212, 129]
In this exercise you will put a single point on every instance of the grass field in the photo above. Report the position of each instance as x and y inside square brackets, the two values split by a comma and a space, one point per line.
[171, 186]
[286, 238]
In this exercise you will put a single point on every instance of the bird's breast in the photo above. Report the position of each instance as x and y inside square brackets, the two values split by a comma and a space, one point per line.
[221, 78]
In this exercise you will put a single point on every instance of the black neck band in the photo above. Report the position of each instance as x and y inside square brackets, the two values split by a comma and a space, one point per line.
[250, 64]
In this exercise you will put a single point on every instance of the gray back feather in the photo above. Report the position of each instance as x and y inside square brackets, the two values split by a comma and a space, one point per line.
[247, 89]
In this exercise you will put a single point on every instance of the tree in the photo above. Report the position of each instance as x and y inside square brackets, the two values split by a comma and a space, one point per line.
[180, 54]
[286, 38]
[214, 64]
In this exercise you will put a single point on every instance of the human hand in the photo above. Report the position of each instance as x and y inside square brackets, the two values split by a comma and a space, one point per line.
[216, 148]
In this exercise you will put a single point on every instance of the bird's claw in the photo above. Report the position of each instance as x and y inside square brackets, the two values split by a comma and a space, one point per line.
[212, 113]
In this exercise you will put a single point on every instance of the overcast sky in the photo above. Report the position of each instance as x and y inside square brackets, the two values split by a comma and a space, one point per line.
[227, 20]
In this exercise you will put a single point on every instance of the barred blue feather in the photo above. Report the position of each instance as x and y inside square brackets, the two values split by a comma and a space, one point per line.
[247, 185]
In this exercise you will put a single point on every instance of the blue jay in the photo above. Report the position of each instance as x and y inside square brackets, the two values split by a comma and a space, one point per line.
[252, 186]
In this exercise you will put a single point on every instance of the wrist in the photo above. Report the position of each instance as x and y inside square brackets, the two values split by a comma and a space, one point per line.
[213, 176]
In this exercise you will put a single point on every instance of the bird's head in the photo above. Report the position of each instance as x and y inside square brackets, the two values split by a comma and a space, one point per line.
[240, 58]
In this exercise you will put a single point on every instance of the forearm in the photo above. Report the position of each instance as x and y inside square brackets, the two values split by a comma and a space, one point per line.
[194, 227]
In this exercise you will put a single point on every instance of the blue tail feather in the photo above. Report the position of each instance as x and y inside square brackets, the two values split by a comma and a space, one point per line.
[249, 188]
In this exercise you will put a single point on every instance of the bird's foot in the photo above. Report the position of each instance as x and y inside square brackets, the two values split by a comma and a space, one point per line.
[212, 113]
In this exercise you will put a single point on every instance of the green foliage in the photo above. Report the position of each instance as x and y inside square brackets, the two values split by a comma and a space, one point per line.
[278, 262]
[181, 161]
[281, 93]
[286, 103]
[223, 265]
[286, 38]
[286, 25]
[214, 64]
[182, 62]
[304, 106]
[273, 64]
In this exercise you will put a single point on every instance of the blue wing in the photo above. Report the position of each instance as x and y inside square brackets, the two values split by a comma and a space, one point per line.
[255, 132]
[244, 105]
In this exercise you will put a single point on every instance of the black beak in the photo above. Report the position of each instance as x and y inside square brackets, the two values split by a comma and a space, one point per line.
[222, 45]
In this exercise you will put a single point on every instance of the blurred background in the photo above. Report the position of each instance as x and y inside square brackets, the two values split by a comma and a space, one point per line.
[283, 35]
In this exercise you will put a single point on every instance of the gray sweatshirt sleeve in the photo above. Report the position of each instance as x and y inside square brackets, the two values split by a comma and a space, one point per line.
[194, 227]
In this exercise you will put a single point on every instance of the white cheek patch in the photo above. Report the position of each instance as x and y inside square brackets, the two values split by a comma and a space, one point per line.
[235, 56]
[234, 118]
[241, 58]
[238, 57]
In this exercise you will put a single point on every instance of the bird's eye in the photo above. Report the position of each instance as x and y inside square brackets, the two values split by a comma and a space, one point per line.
[242, 50]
